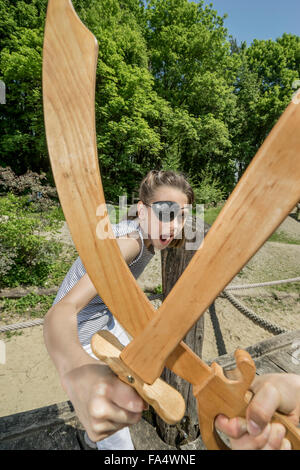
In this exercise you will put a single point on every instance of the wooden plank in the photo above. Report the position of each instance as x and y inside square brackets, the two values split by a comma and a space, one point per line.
[295, 356]
[283, 341]
[265, 366]
[36, 419]
[54, 427]
[284, 360]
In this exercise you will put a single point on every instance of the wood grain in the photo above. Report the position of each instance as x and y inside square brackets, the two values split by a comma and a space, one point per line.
[267, 192]
[220, 395]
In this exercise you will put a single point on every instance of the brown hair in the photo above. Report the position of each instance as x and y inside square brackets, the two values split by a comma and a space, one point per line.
[154, 180]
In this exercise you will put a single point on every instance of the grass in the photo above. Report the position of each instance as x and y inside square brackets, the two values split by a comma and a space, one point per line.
[32, 305]
[158, 289]
[273, 304]
[29, 306]
[62, 265]
[211, 214]
[115, 214]
[281, 237]
[291, 287]
[10, 334]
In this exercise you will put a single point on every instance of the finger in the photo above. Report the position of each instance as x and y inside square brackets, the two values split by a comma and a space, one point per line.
[98, 434]
[233, 428]
[102, 409]
[275, 438]
[286, 445]
[247, 442]
[261, 409]
[106, 427]
[286, 384]
[126, 397]
[121, 394]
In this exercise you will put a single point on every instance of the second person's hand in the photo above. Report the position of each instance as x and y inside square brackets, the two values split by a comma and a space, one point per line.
[271, 392]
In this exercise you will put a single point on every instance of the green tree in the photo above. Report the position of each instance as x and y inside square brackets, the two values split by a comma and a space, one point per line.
[263, 88]
[22, 137]
[172, 90]
[130, 117]
[194, 71]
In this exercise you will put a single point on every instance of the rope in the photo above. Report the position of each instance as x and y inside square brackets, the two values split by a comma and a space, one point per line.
[18, 326]
[28, 324]
[217, 330]
[261, 284]
[276, 330]
[242, 308]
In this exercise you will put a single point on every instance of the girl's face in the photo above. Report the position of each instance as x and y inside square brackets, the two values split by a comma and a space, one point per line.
[157, 221]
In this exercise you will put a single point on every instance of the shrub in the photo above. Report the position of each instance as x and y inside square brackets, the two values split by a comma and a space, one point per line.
[41, 196]
[25, 256]
[209, 190]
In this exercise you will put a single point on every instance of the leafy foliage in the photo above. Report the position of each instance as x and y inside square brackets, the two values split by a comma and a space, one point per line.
[209, 191]
[266, 73]
[172, 90]
[26, 257]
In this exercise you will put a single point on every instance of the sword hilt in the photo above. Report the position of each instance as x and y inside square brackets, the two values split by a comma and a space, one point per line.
[166, 401]
[220, 395]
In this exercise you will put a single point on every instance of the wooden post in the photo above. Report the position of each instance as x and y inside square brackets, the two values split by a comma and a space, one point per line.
[298, 212]
[174, 261]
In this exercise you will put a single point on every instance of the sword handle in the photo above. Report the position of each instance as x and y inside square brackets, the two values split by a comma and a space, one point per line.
[220, 395]
[166, 401]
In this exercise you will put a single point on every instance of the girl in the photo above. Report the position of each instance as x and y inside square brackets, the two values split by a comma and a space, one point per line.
[102, 402]
[105, 405]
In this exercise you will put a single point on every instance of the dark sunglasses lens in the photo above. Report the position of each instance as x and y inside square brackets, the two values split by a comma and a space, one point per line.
[166, 211]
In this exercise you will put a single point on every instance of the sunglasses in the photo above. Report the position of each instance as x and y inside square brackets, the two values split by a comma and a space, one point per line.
[166, 211]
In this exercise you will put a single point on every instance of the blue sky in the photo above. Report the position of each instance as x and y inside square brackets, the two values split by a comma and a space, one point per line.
[259, 19]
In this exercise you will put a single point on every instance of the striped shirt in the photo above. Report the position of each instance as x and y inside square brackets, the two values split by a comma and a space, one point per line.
[95, 315]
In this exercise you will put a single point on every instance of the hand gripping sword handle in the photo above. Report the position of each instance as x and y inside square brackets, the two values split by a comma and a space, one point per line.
[166, 401]
[220, 395]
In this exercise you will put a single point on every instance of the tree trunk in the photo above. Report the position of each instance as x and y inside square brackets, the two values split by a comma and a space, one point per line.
[174, 262]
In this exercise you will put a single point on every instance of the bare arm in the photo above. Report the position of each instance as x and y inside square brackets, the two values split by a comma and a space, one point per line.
[60, 325]
[60, 328]
[102, 403]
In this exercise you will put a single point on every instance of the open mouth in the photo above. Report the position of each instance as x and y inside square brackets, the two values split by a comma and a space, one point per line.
[165, 239]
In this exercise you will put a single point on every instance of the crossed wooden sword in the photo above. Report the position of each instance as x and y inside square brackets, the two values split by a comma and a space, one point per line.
[264, 196]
